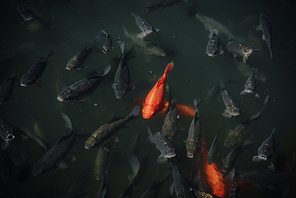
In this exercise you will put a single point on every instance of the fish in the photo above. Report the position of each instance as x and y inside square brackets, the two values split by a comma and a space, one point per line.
[7, 133]
[5, 165]
[154, 101]
[194, 131]
[266, 30]
[267, 177]
[78, 59]
[165, 147]
[109, 129]
[100, 163]
[6, 89]
[31, 135]
[162, 4]
[108, 42]
[82, 88]
[144, 26]
[52, 158]
[35, 72]
[250, 86]
[213, 150]
[229, 160]
[217, 26]
[25, 12]
[232, 108]
[213, 46]
[234, 190]
[247, 70]
[148, 47]
[122, 83]
[182, 188]
[239, 49]
[243, 130]
[265, 151]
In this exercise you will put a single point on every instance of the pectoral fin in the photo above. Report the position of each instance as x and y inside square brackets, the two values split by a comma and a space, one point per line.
[255, 159]
[259, 28]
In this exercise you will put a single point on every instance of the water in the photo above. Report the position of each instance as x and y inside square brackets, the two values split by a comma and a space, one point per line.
[75, 26]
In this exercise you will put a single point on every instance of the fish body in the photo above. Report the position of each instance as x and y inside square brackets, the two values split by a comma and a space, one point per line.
[100, 163]
[6, 89]
[240, 49]
[194, 131]
[162, 4]
[229, 160]
[266, 149]
[213, 46]
[170, 124]
[165, 147]
[154, 101]
[266, 30]
[212, 151]
[6, 133]
[234, 190]
[144, 26]
[108, 42]
[35, 72]
[31, 135]
[5, 165]
[25, 12]
[250, 85]
[82, 88]
[109, 129]
[243, 130]
[232, 108]
[182, 189]
[78, 59]
[52, 158]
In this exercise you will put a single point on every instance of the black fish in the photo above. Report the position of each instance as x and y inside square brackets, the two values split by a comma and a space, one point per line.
[52, 158]
[213, 46]
[108, 42]
[82, 88]
[6, 132]
[234, 190]
[78, 59]
[109, 129]
[35, 72]
[162, 4]
[25, 12]
[6, 89]
[213, 150]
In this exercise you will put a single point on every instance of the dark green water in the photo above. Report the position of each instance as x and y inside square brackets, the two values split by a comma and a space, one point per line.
[75, 25]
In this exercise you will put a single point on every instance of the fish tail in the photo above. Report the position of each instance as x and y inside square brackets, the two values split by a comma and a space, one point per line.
[49, 54]
[68, 123]
[121, 45]
[135, 111]
[196, 102]
[169, 68]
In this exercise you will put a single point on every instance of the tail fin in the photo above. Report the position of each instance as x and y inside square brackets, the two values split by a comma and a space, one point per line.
[169, 68]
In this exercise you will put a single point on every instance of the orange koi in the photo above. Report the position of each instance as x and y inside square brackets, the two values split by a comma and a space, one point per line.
[154, 101]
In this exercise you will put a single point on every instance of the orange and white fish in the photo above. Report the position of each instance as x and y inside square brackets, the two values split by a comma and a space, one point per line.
[154, 101]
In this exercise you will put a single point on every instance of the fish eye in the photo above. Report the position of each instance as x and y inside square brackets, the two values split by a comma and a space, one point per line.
[10, 136]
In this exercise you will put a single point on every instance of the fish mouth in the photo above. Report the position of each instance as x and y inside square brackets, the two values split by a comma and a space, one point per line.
[68, 68]
[59, 98]
[170, 155]
[23, 85]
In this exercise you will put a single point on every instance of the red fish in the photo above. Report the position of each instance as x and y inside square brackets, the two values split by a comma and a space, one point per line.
[154, 101]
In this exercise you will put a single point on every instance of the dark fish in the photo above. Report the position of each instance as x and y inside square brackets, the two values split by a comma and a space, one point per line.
[250, 86]
[144, 26]
[122, 83]
[213, 150]
[265, 151]
[165, 147]
[240, 49]
[6, 133]
[162, 4]
[52, 158]
[36, 139]
[194, 131]
[171, 118]
[78, 59]
[243, 130]
[25, 12]
[82, 88]
[5, 165]
[232, 108]
[266, 30]
[109, 129]
[35, 72]
[234, 190]
[6, 89]
[213, 46]
[108, 42]
[182, 189]
[100, 163]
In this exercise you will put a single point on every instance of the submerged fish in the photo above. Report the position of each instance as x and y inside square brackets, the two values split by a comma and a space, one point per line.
[234, 190]
[78, 59]
[35, 72]
[31, 135]
[240, 49]
[165, 147]
[108, 42]
[247, 70]
[243, 130]
[162, 4]
[109, 129]
[154, 101]
[265, 151]
[266, 30]
[82, 88]
[25, 12]
[100, 163]
[194, 131]
[250, 86]
[6, 89]
[213, 150]
[232, 108]
[6, 133]
[213, 46]
[52, 158]
[144, 26]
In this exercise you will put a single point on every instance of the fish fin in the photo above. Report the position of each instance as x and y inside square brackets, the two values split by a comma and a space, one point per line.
[256, 159]
[196, 102]
[171, 188]
[257, 95]
[245, 58]
[68, 123]
[259, 28]
[39, 83]
[221, 52]
[62, 166]
[263, 37]
[115, 118]
[114, 139]
[243, 92]
[141, 35]
[4, 146]
[156, 29]
[150, 137]
[135, 165]
[25, 21]
[226, 114]
[216, 31]
[161, 159]
[135, 111]
[234, 55]
[271, 166]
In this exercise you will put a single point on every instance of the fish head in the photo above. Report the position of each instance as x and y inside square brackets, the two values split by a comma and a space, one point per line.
[26, 80]
[234, 111]
[8, 135]
[67, 95]
[170, 153]
[247, 50]
[159, 52]
[72, 63]
[262, 157]
[190, 153]
[91, 142]
[229, 142]
[148, 112]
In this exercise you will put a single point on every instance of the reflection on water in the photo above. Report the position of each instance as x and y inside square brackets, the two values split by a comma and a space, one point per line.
[66, 27]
